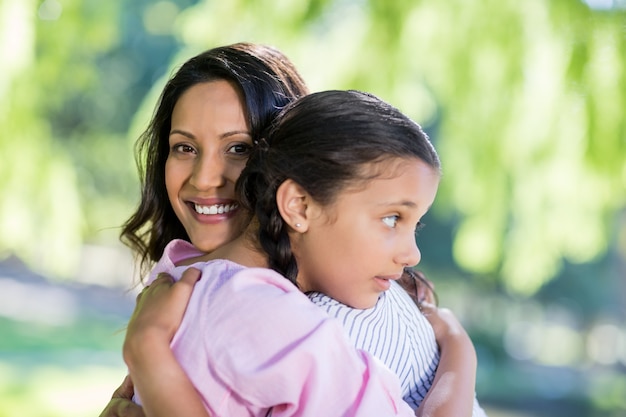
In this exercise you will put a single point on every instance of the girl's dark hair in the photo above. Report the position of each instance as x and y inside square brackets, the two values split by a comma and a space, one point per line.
[268, 82]
[412, 280]
[322, 142]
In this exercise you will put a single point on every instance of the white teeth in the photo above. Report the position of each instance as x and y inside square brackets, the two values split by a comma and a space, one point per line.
[215, 208]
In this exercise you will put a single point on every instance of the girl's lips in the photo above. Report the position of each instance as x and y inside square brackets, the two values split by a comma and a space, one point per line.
[383, 283]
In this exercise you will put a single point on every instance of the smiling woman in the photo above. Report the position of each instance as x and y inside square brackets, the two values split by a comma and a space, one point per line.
[222, 73]
[210, 142]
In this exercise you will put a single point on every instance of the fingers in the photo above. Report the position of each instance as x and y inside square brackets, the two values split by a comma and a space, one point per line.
[184, 287]
[191, 276]
[425, 288]
[161, 279]
[119, 407]
[126, 390]
[425, 293]
[121, 404]
[130, 409]
[164, 283]
[427, 308]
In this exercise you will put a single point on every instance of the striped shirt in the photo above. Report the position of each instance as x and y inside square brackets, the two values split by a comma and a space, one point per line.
[398, 334]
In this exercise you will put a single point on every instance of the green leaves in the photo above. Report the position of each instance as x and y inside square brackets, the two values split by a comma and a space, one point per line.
[524, 100]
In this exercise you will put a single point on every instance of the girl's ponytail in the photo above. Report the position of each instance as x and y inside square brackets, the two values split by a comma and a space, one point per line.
[257, 187]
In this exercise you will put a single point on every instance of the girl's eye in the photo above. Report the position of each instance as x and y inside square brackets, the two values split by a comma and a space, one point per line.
[242, 149]
[391, 221]
[419, 227]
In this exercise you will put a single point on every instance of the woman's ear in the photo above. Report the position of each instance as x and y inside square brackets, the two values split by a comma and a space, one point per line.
[292, 200]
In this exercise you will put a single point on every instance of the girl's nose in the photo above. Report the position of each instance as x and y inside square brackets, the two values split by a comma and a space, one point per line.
[409, 254]
[208, 172]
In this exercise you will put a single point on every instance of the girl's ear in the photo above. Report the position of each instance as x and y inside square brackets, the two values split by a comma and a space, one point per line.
[292, 201]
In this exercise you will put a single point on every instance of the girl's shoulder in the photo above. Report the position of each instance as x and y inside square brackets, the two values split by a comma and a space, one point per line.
[263, 281]
[394, 304]
[260, 290]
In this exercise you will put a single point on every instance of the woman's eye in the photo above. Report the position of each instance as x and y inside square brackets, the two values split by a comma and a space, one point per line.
[240, 149]
[391, 221]
[419, 227]
[182, 148]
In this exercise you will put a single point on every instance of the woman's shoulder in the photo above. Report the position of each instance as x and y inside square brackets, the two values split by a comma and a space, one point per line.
[175, 251]
[179, 249]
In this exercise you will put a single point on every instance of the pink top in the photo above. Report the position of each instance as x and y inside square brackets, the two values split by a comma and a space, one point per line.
[251, 341]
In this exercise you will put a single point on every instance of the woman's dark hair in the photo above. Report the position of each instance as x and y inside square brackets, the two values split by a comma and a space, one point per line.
[267, 80]
[322, 142]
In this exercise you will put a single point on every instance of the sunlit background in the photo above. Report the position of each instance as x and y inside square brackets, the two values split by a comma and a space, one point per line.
[525, 101]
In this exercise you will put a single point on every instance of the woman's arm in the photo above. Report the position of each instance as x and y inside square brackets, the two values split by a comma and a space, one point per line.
[163, 386]
[453, 390]
[302, 354]
[166, 389]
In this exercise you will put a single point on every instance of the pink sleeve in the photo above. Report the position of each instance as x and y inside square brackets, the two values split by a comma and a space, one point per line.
[273, 346]
[175, 251]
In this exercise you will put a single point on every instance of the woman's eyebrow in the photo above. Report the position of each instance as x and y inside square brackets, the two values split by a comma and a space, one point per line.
[222, 136]
[235, 132]
[181, 132]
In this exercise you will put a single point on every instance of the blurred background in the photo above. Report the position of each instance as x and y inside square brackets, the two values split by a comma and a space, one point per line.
[526, 242]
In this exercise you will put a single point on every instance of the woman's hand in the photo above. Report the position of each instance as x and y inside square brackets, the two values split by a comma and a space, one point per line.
[159, 310]
[161, 383]
[452, 392]
[121, 404]
[445, 324]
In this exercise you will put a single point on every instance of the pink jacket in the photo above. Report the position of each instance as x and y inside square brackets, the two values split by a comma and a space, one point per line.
[250, 341]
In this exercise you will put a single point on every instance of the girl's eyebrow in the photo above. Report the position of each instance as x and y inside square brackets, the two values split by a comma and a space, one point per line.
[406, 203]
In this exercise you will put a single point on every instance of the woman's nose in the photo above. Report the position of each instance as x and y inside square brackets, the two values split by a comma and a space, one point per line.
[208, 173]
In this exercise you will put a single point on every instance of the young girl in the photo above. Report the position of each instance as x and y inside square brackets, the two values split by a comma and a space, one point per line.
[343, 168]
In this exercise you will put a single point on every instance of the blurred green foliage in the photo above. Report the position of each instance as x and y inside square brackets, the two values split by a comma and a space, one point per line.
[525, 101]
[76, 72]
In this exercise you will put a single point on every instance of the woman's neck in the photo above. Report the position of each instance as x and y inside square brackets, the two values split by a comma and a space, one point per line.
[243, 250]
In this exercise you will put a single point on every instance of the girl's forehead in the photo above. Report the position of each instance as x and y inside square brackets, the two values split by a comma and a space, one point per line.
[387, 167]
